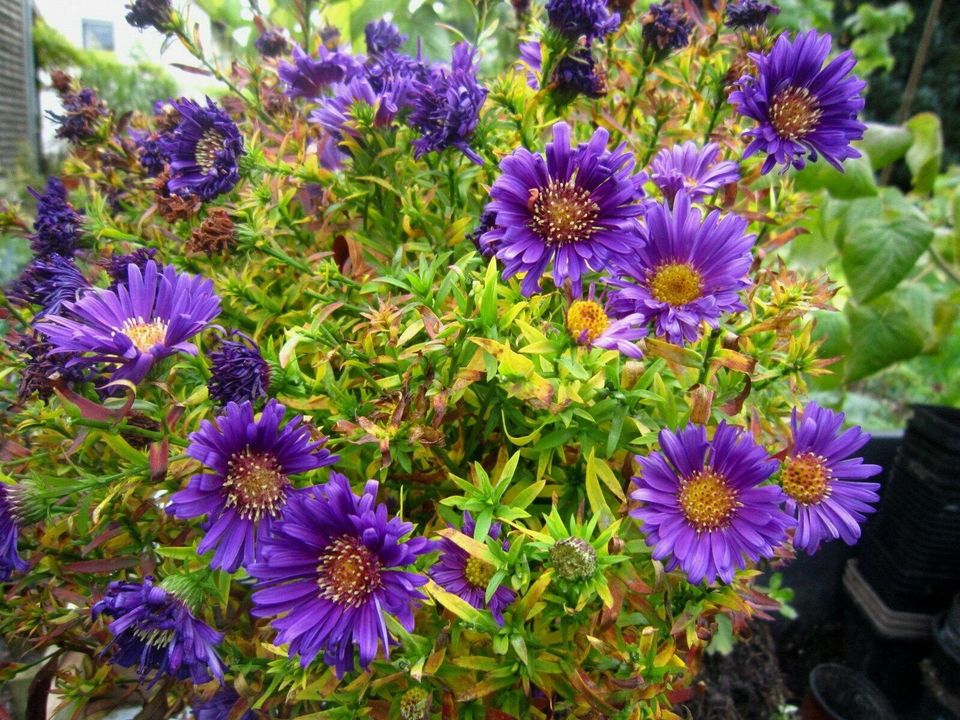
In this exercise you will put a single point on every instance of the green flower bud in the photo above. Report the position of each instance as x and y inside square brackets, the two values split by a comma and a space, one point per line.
[414, 704]
[573, 558]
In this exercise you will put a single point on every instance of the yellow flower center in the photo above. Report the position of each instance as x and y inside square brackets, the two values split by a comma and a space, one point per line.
[255, 485]
[144, 335]
[707, 501]
[563, 213]
[794, 113]
[676, 284]
[478, 572]
[586, 320]
[209, 144]
[348, 572]
[805, 478]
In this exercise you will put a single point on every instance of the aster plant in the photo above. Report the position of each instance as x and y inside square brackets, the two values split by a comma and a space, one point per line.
[547, 317]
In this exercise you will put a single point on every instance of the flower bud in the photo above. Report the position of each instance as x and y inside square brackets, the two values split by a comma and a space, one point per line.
[573, 558]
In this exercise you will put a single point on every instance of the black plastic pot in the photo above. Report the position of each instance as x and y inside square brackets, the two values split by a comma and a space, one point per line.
[946, 655]
[836, 692]
[941, 425]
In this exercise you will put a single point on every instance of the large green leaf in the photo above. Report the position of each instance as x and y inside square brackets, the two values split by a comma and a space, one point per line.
[882, 243]
[885, 143]
[885, 331]
[834, 330]
[856, 180]
[926, 152]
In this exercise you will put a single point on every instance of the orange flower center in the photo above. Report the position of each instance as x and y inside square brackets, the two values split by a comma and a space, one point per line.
[586, 319]
[563, 213]
[805, 478]
[707, 500]
[144, 335]
[255, 485]
[676, 284]
[794, 113]
[348, 572]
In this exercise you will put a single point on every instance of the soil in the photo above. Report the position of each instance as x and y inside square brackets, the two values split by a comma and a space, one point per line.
[746, 684]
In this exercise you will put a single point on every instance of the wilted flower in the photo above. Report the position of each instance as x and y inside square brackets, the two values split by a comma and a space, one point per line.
[574, 208]
[824, 485]
[309, 76]
[272, 43]
[703, 508]
[582, 18]
[174, 207]
[149, 318]
[749, 13]
[203, 151]
[333, 569]
[150, 151]
[246, 478]
[666, 27]
[466, 576]
[219, 706]
[58, 226]
[690, 270]
[149, 13]
[49, 282]
[154, 631]
[383, 36]
[579, 74]
[82, 113]
[215, 236]
[10, 560]
[42, 369]
[693, 170]
[446, 107]
[801, 107]
[116, 265]
[238, 372]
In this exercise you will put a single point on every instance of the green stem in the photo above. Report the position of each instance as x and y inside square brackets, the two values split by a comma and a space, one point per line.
[708, 355]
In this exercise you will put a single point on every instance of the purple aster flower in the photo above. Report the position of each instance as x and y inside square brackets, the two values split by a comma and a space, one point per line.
[116, 265]
[150, 151]
[246, 479]
[530, 62]
[334, 114]
[334, 569]
[801, 107]
[272, 43]
[446, 107]
[690, 270]
[154, 631]
[582, 18]
[383, 36]
[203, 151]
[42, 369]
[749, 13]
[691, 169]
[137, 324]
[574, 209]
[666, 27]
[238, 372]
[579, 74]
[458, 572]
[49, 282]
[589, 322]
[488, 220]
[10, 560]
[149, 13]
[703, 508]
[823, 484]
[308, 77]
[57, 227]
[220, 705]
[82, 113]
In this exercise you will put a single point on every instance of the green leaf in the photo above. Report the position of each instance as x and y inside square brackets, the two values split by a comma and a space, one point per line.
[926, 153]
[885, 143]
[488, 301]
[880, 250]
[834, 330]
[856, 181]
[886, 332]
